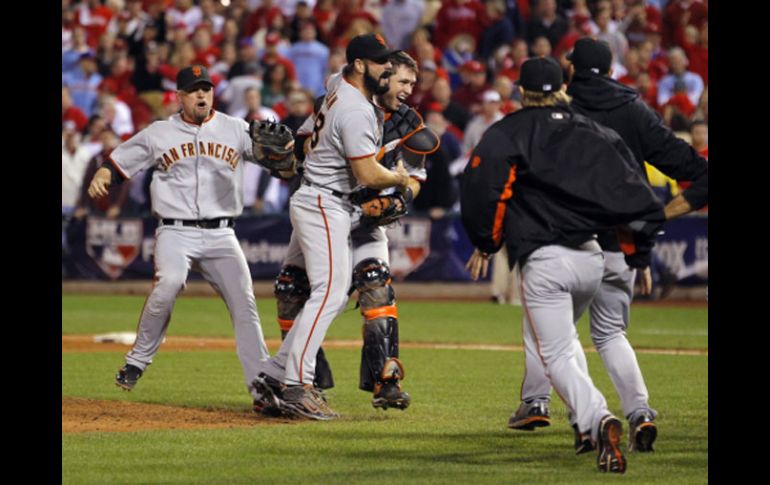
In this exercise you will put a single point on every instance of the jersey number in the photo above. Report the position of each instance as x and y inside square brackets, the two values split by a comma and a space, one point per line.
[319, 125]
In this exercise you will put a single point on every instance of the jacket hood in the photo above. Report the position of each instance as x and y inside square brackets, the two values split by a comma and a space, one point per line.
[599, 93]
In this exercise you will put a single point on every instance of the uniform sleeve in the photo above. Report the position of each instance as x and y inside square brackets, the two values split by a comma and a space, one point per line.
[485, 188]
[358, 131]
[134, 155]
[307, 126]
[674, 157]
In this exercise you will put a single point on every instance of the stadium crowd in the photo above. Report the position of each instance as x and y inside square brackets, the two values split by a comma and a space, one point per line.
[269, 60]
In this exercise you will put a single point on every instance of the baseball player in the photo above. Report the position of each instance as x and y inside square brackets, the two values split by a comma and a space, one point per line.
[341, 158]
[195, 192]
[543, 181]
[405, 137]
[597, 96]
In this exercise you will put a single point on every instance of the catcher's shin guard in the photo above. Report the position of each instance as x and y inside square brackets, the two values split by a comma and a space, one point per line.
[371, 277]
[292, 289]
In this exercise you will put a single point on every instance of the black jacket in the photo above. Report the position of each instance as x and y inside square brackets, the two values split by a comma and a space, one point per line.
[619, 107]
[544, 176]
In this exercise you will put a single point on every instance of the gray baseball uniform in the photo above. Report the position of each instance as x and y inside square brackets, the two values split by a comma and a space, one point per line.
[195, 193]
[347, 127]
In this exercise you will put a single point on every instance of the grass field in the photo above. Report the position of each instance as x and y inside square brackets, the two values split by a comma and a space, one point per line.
[454, 432]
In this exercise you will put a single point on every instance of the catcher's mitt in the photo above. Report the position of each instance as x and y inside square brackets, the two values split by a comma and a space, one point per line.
[273, 145]
[383, 210]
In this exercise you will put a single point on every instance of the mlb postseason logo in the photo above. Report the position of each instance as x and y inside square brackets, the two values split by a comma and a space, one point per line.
[113, 244]
[409, 245]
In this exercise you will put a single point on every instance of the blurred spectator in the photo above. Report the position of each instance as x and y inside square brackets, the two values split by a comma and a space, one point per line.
[399, 19]
[648, 89]
[74, 160]
[470, 93]
[422, 49]
[253, 108]
[639, 18]
[325, 15]
[541, 47]
[170, 105]
[512, 63]
[310, 57]
[70, 112]
[276, 86]
[302, 16]
[111, 205]
[702, 110]
[438, 192]
[299, 107]
[70, 58]
[228, 57]
[680, 79]
[457, 54]
[337, 61]
[458, 16]
[489, 114]
[247, 56]
[504, 87]
[655, 67]
[94, 17]
[425, 80]
[695, 43]
[699, 136]
[92, 140]
[546, 21]
[272, 56]
[210, 17]
[289, 7]
[184, 13]
[682, 12]
[451, 110]
[67, 25]
[233, 94]
[206, 53]
[116, 114]
[633, 67]
[498, 29]
[350, 14]
[261, 18]
[120, 82]
[609, 33]
[84, 83]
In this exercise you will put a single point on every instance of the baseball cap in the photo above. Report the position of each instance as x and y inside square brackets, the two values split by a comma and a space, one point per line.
[368, 46]
[490, 96]
[272, 38]
[189, 76]
[541, 74]
[434, 107]
[472, 66]
[591, 55]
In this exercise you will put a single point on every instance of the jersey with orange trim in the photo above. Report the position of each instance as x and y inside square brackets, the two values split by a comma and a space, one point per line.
[346, 127]
[200, 169]
[548, 176]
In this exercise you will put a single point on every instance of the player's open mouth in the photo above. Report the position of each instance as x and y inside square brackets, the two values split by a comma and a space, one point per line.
[201, 104]
[402, 98]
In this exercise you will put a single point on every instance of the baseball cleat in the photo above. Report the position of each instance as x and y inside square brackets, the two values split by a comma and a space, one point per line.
[610, 458]
[389, 395]
[642, 433]
[583, 443]
[308, 402]
[127, 376]
[530, 416]
[271, 392]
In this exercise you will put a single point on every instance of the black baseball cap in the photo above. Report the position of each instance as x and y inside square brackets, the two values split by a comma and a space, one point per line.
[368, 46]
[541, 74]
[190, 76]
[591, 55]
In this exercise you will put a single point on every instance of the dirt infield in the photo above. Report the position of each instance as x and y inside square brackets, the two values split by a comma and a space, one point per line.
[79, 415]
[86, 343]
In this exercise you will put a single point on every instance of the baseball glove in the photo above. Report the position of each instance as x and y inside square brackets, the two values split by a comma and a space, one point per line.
[273, 145]
[383, 210]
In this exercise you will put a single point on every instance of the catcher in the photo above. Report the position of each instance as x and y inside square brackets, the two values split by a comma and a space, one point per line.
[405, 139]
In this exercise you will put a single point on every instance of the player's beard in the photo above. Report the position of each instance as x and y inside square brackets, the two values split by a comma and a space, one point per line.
[373, 85]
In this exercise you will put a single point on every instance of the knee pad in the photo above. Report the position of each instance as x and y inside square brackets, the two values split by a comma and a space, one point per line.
[371, 277]
[291, 290]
